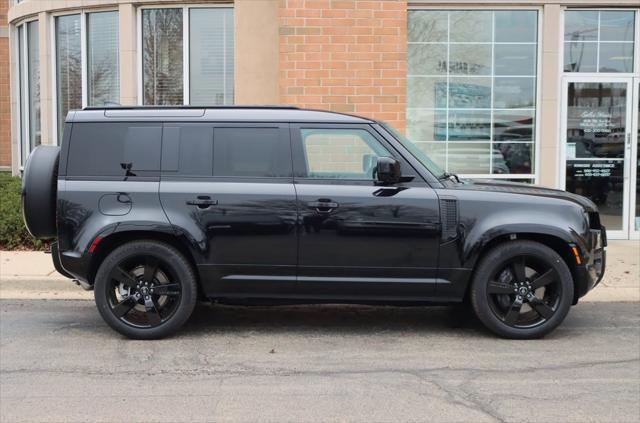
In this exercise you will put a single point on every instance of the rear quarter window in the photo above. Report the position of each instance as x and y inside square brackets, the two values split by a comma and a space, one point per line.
[114, 149]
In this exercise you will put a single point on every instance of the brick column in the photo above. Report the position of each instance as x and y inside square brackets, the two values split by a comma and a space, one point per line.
[5, 96]
[345, 56]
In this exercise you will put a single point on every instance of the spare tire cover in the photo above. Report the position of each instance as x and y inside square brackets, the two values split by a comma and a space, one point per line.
[39, 191]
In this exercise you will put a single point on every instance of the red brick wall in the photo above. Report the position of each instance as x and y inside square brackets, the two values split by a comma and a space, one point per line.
[5, 100]
[345, 55]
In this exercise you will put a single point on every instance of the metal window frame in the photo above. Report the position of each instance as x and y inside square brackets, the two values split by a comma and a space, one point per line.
[186, 52]
[535, 176]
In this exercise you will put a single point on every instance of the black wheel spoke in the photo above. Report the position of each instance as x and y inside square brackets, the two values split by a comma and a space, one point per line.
[171, 289]
[543, 280]
[496, 287]
[150, 269]
[124, 306]
[123, 277]
[518, 268]
[541, 308]
[514, 311]
[153, 313]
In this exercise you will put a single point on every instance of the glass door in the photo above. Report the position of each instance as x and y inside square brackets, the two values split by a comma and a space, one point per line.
[634, 223]
[597, 146]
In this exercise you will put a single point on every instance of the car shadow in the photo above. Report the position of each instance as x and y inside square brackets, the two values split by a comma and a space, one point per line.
[331, 319]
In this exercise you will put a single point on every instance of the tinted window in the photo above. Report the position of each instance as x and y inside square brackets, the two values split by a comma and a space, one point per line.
[187, 150]
[250, 152]
[341, 153]
[109, 149]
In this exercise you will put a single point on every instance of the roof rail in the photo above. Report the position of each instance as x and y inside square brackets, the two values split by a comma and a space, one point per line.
[149, 107]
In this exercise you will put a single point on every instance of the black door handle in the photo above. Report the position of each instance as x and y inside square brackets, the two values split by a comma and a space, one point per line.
[323, 206]
[203, 202]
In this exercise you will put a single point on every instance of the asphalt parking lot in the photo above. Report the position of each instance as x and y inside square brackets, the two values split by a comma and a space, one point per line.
[59, 362]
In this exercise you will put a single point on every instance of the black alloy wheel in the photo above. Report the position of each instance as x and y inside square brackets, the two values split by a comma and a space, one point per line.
[145, 289]
[522, 290]
[143, 292]
[525, 292]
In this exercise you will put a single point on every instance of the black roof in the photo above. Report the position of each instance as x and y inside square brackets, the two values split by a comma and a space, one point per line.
[239, 113]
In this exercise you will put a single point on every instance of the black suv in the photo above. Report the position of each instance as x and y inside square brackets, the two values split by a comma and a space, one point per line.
[155, 208]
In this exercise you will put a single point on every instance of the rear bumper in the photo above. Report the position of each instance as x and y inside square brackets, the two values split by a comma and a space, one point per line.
[55, 255]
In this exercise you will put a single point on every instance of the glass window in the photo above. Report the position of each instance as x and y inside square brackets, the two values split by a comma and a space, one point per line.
[599, 41]
[103, 81]
[68, 67]
[29, 88]
[34, 84]
[474, 108]
[188, 150]
[250, 152]
[162, 56]
[427, 59]
[341, 153]
[470, 26]
[516, 26]
[98, 55]
[432, 27]
[114, 149]
[211, 56]
[209, 59]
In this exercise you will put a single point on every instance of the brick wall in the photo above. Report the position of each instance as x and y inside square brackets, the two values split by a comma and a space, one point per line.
[346, 56]
[5, 100]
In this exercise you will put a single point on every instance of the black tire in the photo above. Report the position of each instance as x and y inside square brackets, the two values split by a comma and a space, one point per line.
[519, 273]
[171, 290]
[39, 191]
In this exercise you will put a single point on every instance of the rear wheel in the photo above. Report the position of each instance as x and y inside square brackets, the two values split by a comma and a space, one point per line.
[145, 290]
[522, 290]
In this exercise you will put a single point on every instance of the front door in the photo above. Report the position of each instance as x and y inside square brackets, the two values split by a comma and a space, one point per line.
[358, 238]
[598, 147]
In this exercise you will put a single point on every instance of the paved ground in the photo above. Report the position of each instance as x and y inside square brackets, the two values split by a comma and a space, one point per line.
[59, 362]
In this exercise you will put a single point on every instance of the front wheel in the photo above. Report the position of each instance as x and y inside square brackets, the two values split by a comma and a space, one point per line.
[522, 290]
[145, 290]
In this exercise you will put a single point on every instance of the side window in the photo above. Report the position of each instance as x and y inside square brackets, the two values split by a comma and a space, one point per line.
[114, 149]
[187, 150]
[341, 153]
[251, 152]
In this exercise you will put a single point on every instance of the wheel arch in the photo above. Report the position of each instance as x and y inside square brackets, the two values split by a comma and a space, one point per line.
[116, 239]
[560, 245]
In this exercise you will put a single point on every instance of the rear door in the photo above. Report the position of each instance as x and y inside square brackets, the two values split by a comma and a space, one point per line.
[228, 189]
[358, 238]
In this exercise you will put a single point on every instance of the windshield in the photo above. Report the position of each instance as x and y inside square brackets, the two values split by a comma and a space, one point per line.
[415, 151]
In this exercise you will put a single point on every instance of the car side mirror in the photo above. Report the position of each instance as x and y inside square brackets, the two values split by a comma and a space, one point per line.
[388, 170]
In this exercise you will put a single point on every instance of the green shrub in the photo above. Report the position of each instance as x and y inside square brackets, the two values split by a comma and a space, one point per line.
[13, 234]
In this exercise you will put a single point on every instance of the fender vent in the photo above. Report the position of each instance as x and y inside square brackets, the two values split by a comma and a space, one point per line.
[449, 218]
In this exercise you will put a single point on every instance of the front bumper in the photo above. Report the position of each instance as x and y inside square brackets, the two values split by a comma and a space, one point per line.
[589, 274]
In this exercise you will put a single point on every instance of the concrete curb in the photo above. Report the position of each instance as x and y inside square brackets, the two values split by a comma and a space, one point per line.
[31, 275]
[59, 288]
